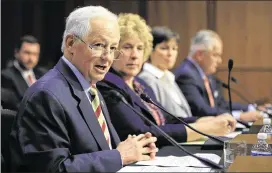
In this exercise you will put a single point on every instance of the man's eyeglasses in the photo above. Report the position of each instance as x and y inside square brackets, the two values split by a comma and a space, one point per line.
[99, 50]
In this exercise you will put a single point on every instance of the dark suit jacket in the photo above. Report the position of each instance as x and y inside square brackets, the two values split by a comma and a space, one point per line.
[13, 81]
[125, 120]
[56, 129]
[192, 85]
[9, 99]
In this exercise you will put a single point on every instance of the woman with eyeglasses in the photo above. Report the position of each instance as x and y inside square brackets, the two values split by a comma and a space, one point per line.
[136, 45]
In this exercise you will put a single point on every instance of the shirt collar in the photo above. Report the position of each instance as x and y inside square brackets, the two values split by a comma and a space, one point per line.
[85, 84]
[153, 70]
[199, 69]
[24, 72]
[158, 72]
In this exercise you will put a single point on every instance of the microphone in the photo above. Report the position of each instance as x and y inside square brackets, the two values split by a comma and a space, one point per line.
[207, 162]
[260, 101]
[236, 81]
[224, 85]
[244, 98]
[233, 79]
[230, 66]
[146, 98]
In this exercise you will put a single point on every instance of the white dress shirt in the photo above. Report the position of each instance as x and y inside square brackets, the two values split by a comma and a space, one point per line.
[25, 73]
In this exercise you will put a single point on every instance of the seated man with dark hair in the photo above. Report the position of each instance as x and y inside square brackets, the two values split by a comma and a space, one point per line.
[24, 71]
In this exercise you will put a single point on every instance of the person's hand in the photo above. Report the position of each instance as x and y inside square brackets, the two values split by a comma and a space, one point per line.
[222, 125]
[250, 116]
[264, 106]
[137, 148]
[152, 146]
[231, 120]
[205, 119]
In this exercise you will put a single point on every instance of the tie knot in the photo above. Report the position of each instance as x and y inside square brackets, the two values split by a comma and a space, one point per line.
[206, 79]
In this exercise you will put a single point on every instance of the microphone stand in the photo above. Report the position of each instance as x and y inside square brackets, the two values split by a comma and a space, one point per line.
[230, 66]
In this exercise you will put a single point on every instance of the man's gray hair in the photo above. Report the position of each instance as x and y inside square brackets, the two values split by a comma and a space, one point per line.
[204, 40]
[78, 21]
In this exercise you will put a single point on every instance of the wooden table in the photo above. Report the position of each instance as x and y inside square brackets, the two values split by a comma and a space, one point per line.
[251, 163]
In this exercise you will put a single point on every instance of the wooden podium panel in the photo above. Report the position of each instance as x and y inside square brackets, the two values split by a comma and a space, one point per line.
[251, 164]
[249, 138]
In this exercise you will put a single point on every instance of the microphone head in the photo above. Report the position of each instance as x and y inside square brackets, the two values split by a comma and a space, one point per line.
[145, 97]
[230, 64]
[233, 79]
[224, 85]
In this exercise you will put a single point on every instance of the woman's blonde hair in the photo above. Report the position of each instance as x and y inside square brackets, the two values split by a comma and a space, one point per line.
[134, 25]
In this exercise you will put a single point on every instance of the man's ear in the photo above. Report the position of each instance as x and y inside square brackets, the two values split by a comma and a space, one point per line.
[69, 41]
[199, 55]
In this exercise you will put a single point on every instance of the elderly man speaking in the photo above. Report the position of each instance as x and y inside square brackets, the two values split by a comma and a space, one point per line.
[63, 123]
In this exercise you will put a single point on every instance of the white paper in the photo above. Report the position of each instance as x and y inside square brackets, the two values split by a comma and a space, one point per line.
[184, 161]
[233, 134]
[239, 125]
[162, 169]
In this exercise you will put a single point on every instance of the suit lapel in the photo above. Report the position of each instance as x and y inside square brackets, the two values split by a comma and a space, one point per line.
[118, 83]
[92, 122]
[19, 81]
[199, 80]
[84, 105]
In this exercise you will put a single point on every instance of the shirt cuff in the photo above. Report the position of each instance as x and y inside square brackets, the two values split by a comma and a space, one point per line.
[236, 114]
[251, 107]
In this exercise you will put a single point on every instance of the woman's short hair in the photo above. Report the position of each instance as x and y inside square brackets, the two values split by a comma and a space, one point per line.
[163, 33]
[134, 25]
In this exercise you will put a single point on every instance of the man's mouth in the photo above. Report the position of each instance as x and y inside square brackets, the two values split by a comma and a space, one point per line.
[101, 67]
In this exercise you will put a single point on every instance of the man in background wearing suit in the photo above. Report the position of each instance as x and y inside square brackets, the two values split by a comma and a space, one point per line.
[194, 77]
[23, 72]
[63, 124]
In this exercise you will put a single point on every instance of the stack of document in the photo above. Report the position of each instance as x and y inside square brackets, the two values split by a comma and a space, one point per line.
[173, 164]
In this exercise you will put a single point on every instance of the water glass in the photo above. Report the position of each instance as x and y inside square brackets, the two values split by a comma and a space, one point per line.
[233, 149]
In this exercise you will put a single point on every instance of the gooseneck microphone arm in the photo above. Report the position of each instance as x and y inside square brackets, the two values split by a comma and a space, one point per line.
[237, 93]
[230, 66]
[207, 162]
[146, 98]
[244, 98]
[236, 81]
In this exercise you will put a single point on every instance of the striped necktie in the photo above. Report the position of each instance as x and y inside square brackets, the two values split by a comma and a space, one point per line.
[99, 114]
[209, 91]
[30, 79]
[155, 112]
